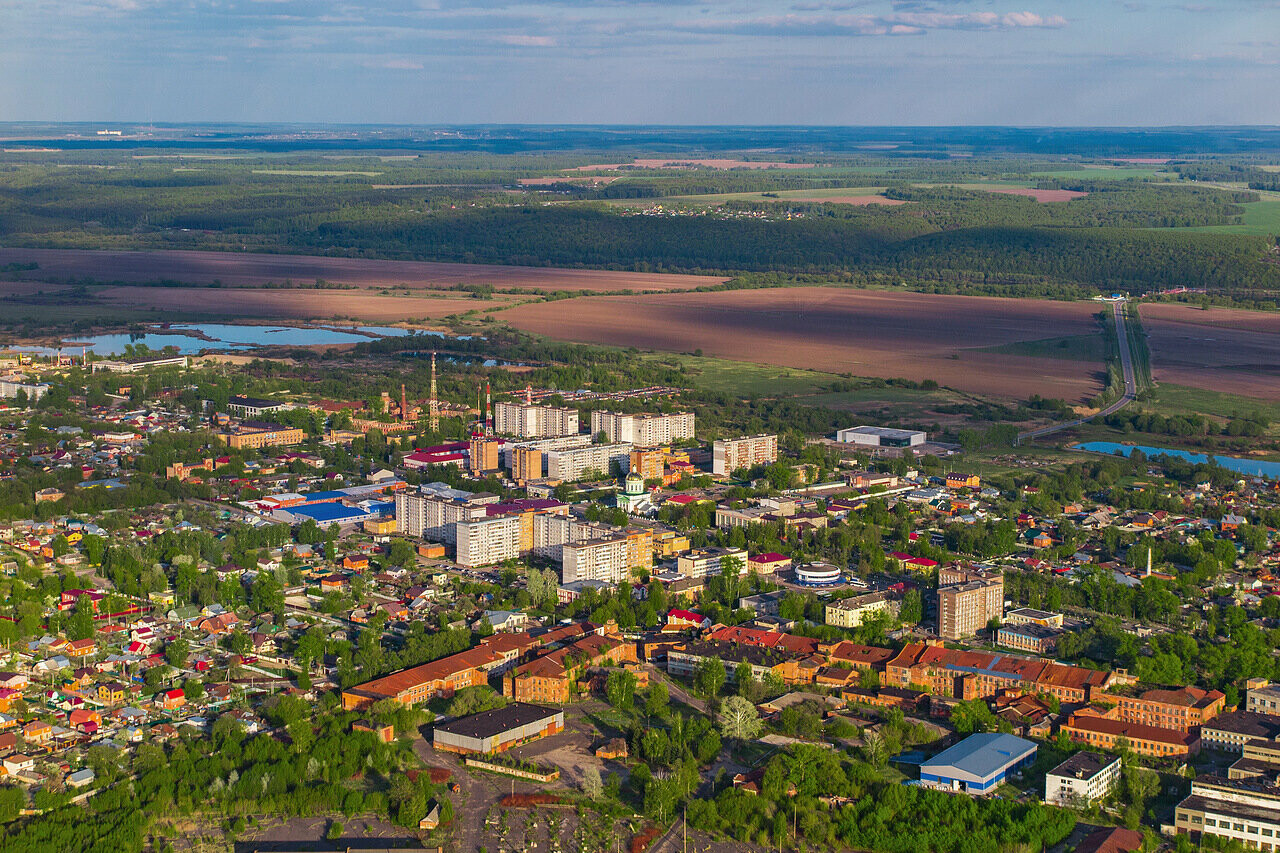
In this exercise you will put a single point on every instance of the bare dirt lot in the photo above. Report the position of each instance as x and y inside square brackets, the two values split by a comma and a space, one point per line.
[254, 270]
[1220, 349]
[861, 332]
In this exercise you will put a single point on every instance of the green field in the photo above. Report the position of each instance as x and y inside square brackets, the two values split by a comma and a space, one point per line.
[1176, 399]
[1104, 173]
[1068, 348]
[744, 378]
[1261, 218]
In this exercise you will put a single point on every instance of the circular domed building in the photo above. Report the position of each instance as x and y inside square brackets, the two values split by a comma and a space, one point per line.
[818, 574]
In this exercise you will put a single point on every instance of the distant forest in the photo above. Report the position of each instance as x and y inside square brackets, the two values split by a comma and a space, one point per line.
[1123, 236]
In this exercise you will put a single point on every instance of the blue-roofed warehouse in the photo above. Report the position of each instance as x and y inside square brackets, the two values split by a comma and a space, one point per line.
[978, 764]
[326, 513]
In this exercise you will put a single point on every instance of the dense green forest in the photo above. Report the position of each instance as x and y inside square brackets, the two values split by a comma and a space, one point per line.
[472, 208]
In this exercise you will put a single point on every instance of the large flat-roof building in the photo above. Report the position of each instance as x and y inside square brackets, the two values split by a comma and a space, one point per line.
[254, 407]
[1243, 810]
[873, 436]
[256, 434]
[497, 730]
[978, 764]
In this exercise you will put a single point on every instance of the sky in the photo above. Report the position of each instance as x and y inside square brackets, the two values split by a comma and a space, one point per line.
[822, 62]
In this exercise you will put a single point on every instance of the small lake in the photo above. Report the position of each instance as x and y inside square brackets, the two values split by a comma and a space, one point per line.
[1254, 467]
[227, 336]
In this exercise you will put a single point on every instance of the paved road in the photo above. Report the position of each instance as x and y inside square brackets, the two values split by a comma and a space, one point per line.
[1130, 383]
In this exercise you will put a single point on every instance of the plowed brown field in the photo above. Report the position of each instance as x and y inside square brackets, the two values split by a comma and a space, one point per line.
[1220, 349]
[236, 269]
[863, 332]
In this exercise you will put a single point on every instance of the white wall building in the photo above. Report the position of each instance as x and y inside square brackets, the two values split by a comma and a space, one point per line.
[529, 421]
[1083, 778]
[872, 436]
[728, 455]
[570, 465]
[643, 430]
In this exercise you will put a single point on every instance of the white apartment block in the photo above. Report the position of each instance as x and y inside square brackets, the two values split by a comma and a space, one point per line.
[642, 430]
[852, 612]
[706, 562]
[9, 388]
[604, 559]
[488, 540]
[573, 464]
[434, 516]
[1083, 778]
[728, 455]
[529, 421]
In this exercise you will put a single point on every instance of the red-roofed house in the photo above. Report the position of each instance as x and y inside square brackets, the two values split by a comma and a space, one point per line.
[687, 619]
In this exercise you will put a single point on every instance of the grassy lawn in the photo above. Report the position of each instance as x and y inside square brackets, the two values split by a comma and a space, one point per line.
[1069, 348]
[1177, 399]
[744, 378]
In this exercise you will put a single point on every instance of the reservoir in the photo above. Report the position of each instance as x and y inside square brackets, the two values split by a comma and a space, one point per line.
[1254, 467]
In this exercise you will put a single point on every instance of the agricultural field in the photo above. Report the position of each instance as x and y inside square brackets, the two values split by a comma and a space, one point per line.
[854, 332]
[1261, 218]
[1220, 349]
[256, 270]
[254, 303]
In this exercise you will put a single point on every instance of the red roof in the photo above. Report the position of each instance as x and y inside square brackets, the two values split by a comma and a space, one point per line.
[174, 693]
[681, 499]
[771, 557]
[686, 615]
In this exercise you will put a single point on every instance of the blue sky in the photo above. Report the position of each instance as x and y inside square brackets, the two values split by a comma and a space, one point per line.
[1020, 62]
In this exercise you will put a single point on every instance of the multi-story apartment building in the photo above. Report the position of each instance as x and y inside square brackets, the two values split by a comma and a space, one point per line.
[530, 421]
[728, 455]
[649, 464]
[852, 612]
[707, 561]
[1246, 810]
[482, 455]
[642, 430]
[607, 558]
[526, 464]
[574, 463]
[434, 513]
[1179, 708]
[1084, 778]
[488, 540]
[967, 602]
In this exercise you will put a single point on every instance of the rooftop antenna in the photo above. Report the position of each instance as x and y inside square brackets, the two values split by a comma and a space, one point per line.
[434, 405]
[488, 410]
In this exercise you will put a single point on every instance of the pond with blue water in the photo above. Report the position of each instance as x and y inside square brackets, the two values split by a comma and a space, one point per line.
[1253, 467]
[191, 338]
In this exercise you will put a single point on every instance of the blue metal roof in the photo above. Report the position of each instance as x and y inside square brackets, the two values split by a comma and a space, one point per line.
[979, 757]
[327, 512]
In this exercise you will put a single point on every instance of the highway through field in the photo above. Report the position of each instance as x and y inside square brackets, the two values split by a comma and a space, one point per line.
[1130, 383]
